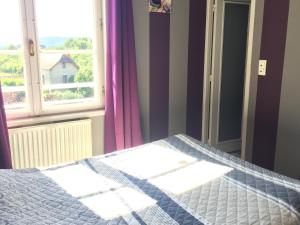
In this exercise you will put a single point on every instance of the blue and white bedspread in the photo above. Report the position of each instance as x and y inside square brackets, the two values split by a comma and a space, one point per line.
[173, 181]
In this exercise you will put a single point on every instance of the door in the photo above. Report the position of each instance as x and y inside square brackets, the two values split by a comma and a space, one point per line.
[228, 64]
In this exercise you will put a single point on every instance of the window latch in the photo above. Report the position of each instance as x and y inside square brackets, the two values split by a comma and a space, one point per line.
[31, 47]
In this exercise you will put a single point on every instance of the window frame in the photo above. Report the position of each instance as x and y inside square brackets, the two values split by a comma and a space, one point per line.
[35, 105]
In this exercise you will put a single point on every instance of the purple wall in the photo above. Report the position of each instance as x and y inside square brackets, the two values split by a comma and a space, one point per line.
[269, 87]
[159, 75]
[196, 68]
[159, 71]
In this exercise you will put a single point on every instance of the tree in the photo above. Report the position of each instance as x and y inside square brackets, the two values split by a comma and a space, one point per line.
[11, 64]
[12, 47]
[77, 44]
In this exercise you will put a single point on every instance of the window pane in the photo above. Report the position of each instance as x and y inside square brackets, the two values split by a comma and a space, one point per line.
[66, 51]
[12, 71]
[10, 23]
[72, 27]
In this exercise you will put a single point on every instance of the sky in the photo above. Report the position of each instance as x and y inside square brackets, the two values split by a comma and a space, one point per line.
[55, 18]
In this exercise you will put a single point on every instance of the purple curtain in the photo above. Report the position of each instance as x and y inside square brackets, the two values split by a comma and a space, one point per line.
[5, 157]
[122, 114]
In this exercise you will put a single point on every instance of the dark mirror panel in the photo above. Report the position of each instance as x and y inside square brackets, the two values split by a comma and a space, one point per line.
[233, 70]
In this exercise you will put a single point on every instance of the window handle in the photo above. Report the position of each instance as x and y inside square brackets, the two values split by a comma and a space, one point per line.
[31, 47]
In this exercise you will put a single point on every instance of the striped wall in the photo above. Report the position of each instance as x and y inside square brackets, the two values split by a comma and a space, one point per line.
[195, 67]
[159, 75]
[170, 50]
[170, 60]
[288, 141]
[273, 44]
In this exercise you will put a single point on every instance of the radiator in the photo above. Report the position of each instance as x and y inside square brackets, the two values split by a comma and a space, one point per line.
[47, 145]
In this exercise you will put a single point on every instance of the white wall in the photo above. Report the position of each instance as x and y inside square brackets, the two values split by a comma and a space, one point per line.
[142, 42]
[98, 135]
[288, 141]
[179, 43]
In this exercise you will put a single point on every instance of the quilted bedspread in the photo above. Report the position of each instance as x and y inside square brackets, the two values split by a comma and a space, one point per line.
[173, 181]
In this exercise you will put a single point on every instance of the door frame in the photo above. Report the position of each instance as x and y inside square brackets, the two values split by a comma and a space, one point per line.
[251, 74]
[216, 79]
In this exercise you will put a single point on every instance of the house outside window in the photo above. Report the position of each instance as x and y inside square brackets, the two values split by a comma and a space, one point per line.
[58, 68]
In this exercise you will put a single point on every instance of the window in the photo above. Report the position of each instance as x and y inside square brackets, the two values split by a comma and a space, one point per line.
[68, 79]
[51, 56]
[65, 78]
[12, 63]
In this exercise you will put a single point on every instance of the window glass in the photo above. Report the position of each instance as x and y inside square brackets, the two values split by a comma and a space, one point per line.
[50, 56]
[12, 66]
[66, 43]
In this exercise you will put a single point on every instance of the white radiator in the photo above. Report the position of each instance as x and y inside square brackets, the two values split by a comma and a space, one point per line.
[50, 144]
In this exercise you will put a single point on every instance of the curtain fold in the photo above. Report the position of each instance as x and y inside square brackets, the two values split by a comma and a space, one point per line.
[122, 114]
[5, 156]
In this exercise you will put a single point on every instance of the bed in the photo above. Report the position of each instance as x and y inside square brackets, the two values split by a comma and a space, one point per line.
[172, 181]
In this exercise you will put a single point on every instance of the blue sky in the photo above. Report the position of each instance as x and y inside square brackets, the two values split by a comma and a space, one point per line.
[64, 18]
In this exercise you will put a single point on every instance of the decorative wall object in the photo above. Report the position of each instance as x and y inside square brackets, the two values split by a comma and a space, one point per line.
[160, 6]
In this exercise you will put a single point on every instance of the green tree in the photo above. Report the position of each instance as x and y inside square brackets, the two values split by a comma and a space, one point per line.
[85, 64]
[11, 64]
[12, 47]
[77, 44]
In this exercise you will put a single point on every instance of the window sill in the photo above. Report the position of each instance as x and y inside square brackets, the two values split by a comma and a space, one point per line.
[29, 121]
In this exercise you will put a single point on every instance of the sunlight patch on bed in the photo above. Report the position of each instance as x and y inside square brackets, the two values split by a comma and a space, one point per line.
[105, 197]
[79, 180]
[151, 160]
[121, 202]
[190, 177]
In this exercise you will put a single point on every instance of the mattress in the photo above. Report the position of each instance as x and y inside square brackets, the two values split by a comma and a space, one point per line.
[172, 181]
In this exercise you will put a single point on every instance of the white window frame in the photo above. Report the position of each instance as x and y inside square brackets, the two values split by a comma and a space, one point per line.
[33, 80]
